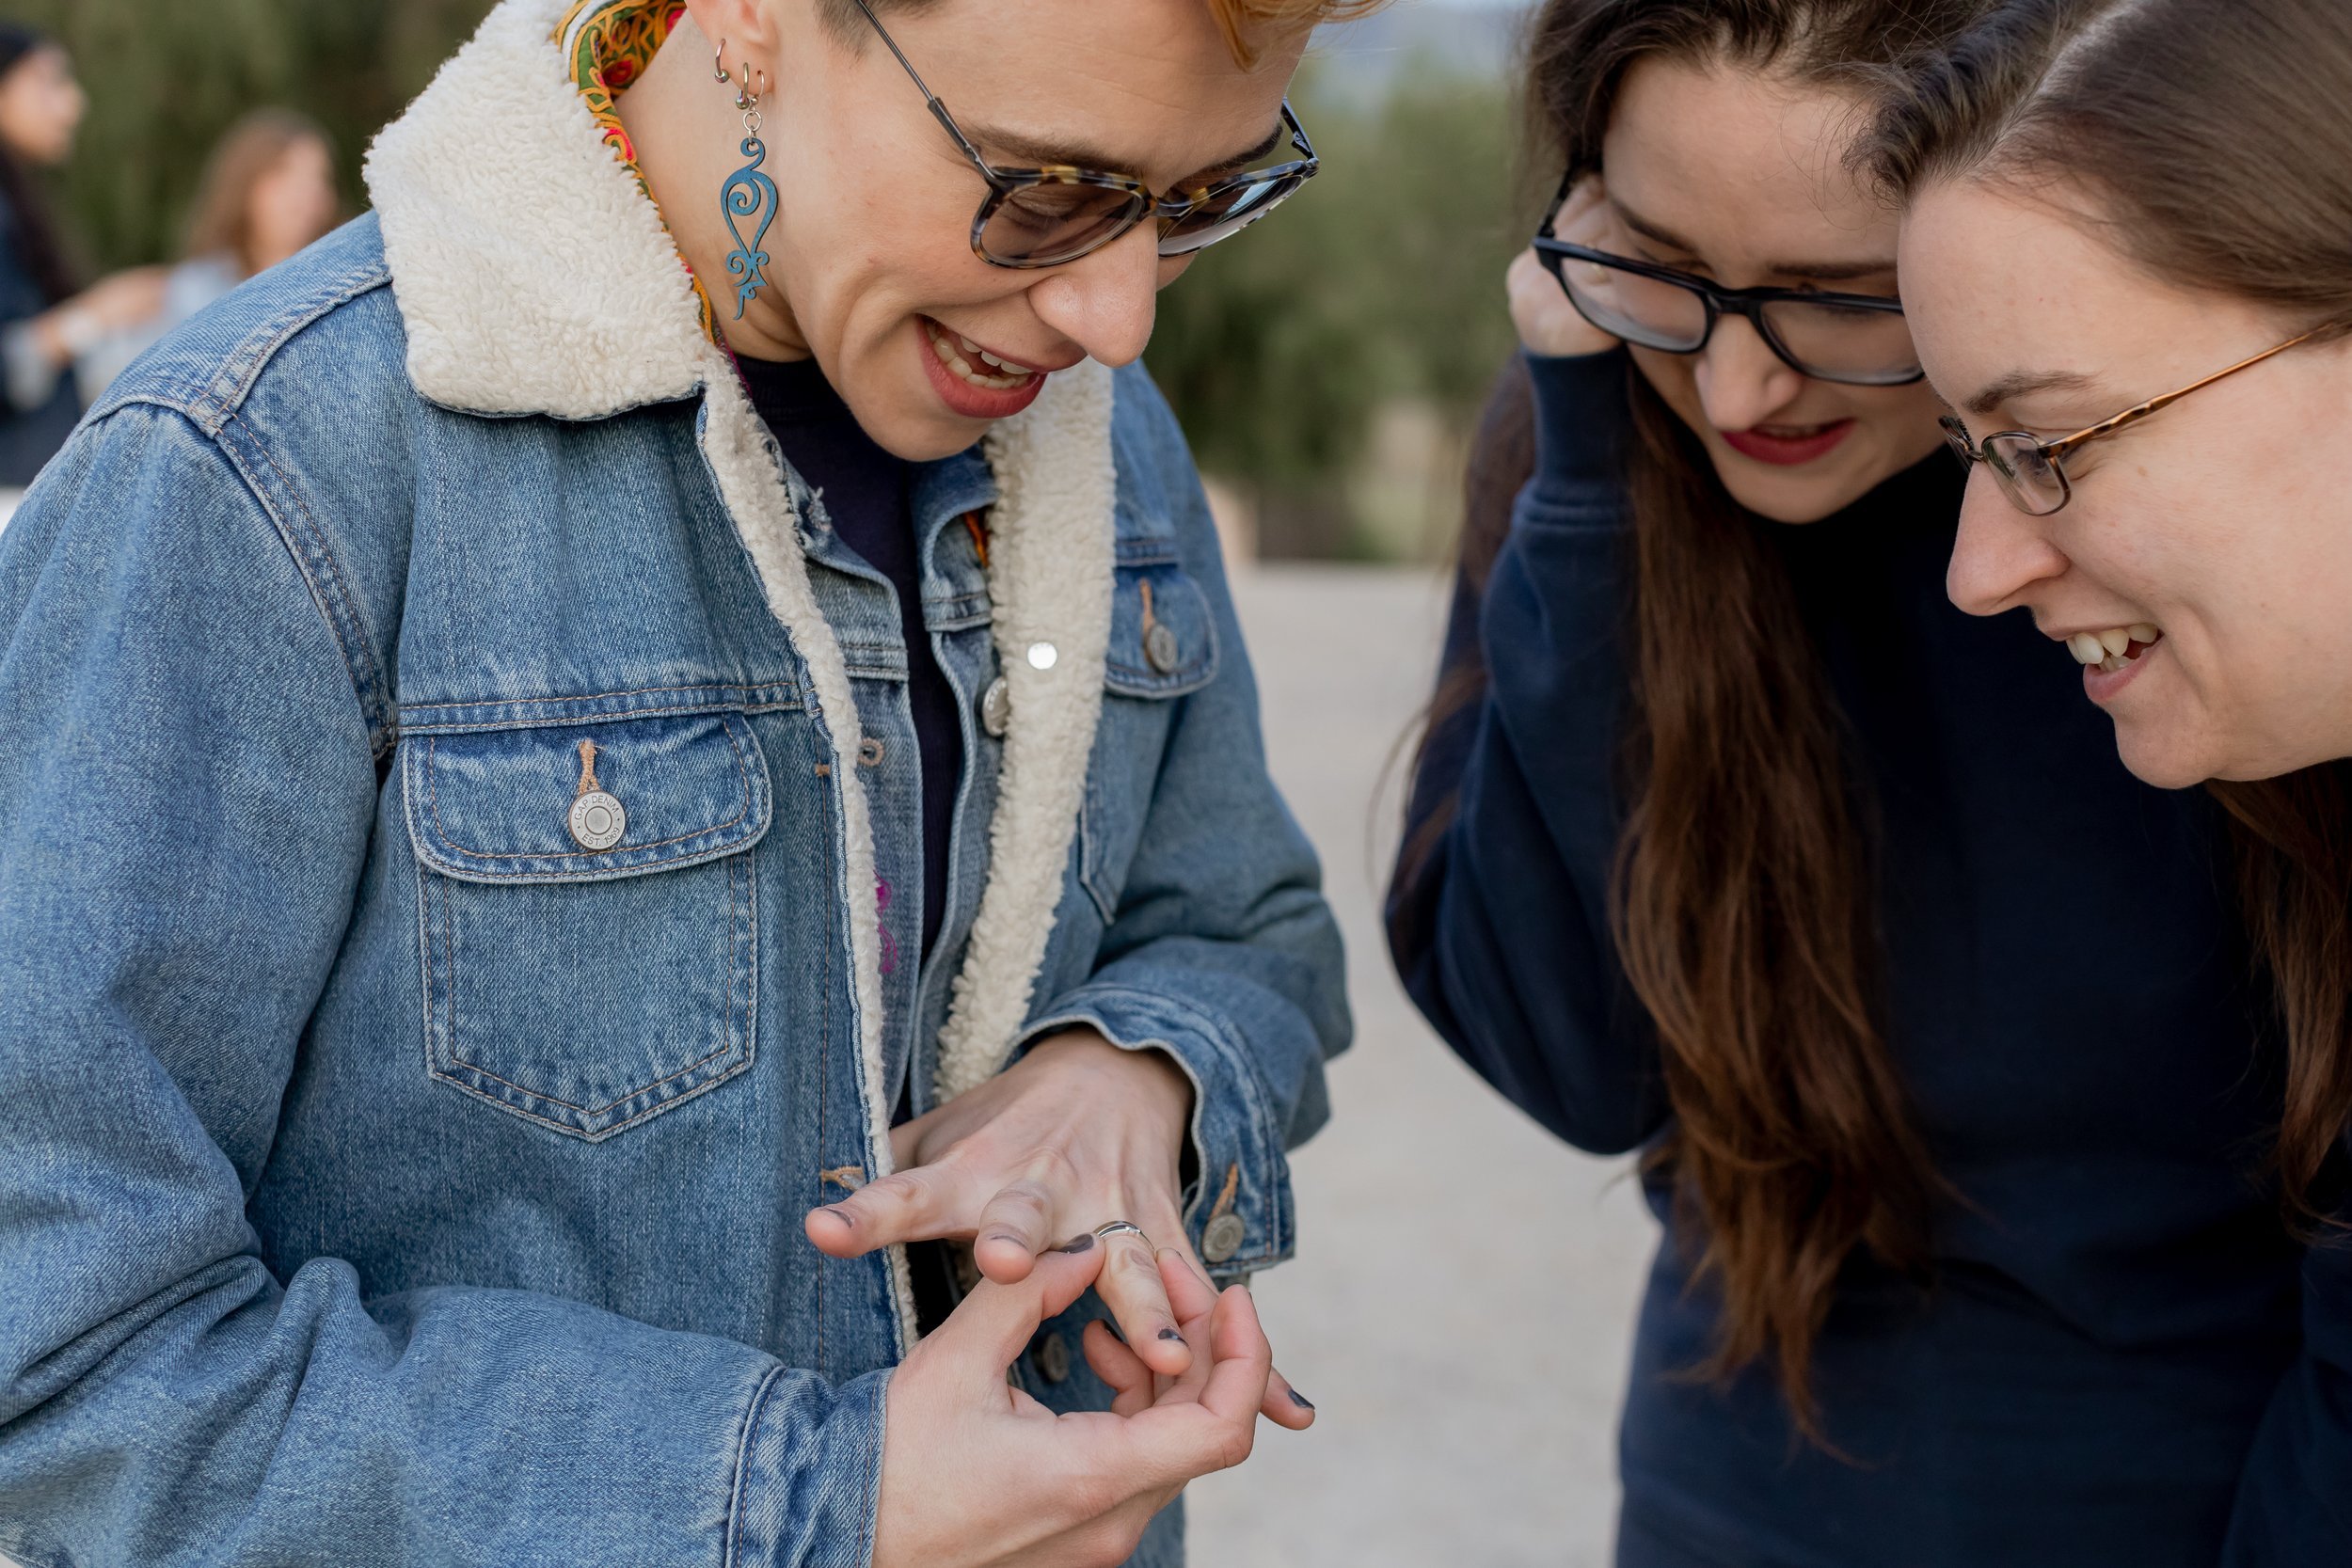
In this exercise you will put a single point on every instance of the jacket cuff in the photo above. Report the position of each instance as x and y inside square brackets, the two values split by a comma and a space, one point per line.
[808, 1478]
[1584, 429]
[1237, 1211]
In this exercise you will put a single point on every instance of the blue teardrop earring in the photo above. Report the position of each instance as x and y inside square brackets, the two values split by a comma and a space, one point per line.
[748, 192]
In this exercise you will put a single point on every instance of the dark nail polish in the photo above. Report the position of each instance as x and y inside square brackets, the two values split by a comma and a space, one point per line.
[1301, 1400]
[1169, 1333]
[1077, 1244]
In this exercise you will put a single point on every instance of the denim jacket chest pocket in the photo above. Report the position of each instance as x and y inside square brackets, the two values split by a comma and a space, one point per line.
[1163, 646]
[587, 969]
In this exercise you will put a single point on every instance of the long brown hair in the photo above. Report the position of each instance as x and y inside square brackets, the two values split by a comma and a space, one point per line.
[2209, 139]
[221, 222]
[1741, 901]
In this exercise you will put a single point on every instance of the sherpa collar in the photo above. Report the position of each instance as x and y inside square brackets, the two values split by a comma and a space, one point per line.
[534, 276]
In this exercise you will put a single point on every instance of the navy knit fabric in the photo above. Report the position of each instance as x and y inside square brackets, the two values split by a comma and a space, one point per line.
[2115, 1310]
[866, 493]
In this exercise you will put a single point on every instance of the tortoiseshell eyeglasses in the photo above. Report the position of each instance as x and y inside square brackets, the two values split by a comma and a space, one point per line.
[1044, 217]
[2032, 472]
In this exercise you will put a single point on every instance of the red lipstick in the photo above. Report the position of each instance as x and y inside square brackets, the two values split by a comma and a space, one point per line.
[1788, 452]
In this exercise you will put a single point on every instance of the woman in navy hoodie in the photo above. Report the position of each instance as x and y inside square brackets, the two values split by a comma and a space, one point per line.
[1734, 843]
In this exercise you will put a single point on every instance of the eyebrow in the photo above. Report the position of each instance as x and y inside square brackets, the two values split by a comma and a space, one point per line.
[1828, 272]
[2019, 384]
[1042, 152]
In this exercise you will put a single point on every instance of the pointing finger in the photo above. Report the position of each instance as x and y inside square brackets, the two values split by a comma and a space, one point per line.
[916, 1205]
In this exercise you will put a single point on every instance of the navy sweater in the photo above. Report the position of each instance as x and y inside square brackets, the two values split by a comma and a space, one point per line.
[2112, 1366]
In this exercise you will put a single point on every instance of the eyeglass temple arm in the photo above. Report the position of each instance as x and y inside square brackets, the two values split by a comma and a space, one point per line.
[930, 99]
[1298, 132]
[2108, 427]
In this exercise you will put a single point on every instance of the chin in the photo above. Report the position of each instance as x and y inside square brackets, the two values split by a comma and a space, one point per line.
[1787, 497]
[2153, 760]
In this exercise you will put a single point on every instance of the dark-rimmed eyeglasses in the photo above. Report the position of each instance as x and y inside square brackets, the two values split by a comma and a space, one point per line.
[1856, 339]
[2032, 472]
[1044, 217]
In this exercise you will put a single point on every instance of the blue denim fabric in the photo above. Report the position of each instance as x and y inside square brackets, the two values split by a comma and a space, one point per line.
[383, 1178]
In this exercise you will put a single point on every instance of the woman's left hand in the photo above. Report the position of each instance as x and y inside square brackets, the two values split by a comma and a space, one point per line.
[1076, 1134]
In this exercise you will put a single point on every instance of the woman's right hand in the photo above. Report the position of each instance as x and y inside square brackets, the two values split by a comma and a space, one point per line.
[1549, 324]
[976, 1474]
[126, 299]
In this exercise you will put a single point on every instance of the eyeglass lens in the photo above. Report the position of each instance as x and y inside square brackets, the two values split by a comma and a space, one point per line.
[1040, 225]
[2026, 475]
[1835, 342]
[1056, 221]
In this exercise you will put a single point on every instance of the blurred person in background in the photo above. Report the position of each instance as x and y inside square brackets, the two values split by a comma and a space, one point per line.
[1735, 843]
[268, 192]
[595, 767]
[46, 320]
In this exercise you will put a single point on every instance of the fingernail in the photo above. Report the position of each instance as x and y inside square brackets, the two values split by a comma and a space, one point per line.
[1301, 1400]
[1000, 1236]
[1077, 1244]
[1169, 1333]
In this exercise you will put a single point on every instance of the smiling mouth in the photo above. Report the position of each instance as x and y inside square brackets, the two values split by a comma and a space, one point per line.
[2114, 648]
[974, 365]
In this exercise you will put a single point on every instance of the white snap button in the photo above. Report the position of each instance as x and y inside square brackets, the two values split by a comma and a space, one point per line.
[598, 821]
[1043, 655]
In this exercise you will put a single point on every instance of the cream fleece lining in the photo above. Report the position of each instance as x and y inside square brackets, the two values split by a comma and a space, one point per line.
[534, 277]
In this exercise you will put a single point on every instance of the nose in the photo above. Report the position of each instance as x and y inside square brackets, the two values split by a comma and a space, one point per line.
[2001, 552]
[1741, 382]
[1106, 303]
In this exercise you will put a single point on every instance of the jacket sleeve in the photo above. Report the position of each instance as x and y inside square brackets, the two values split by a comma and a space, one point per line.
[1222, 951]
[2294, 1495]
[186, 793]
[1497, 916]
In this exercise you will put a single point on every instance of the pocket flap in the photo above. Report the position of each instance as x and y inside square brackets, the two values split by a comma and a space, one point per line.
[1163, 633]
[496, 805]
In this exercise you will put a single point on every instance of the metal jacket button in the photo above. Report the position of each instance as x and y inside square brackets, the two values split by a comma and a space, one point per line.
[996, 707]
[1223, 1238]
[597, 820]
[1161, 648]
[1053, 1357]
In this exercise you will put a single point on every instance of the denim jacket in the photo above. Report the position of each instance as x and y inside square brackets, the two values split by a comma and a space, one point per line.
[449, 776]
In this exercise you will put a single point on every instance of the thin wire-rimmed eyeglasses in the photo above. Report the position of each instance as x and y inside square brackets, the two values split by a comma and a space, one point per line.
[2032, 472]
[1044, 217]
[1857, 340]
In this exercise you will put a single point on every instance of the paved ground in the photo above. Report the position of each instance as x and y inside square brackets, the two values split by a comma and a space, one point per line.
[1462, 1301]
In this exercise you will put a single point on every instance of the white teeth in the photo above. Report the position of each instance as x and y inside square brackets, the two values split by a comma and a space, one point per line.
[2110, 650]
[943, 343]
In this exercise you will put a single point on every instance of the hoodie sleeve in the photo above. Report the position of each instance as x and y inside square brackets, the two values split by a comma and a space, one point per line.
[1497, 916]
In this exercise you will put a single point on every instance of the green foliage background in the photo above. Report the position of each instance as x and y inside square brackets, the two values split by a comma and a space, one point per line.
[1381, 281]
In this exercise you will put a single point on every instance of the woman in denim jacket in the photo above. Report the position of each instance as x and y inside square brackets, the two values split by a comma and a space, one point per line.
[463, 868]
